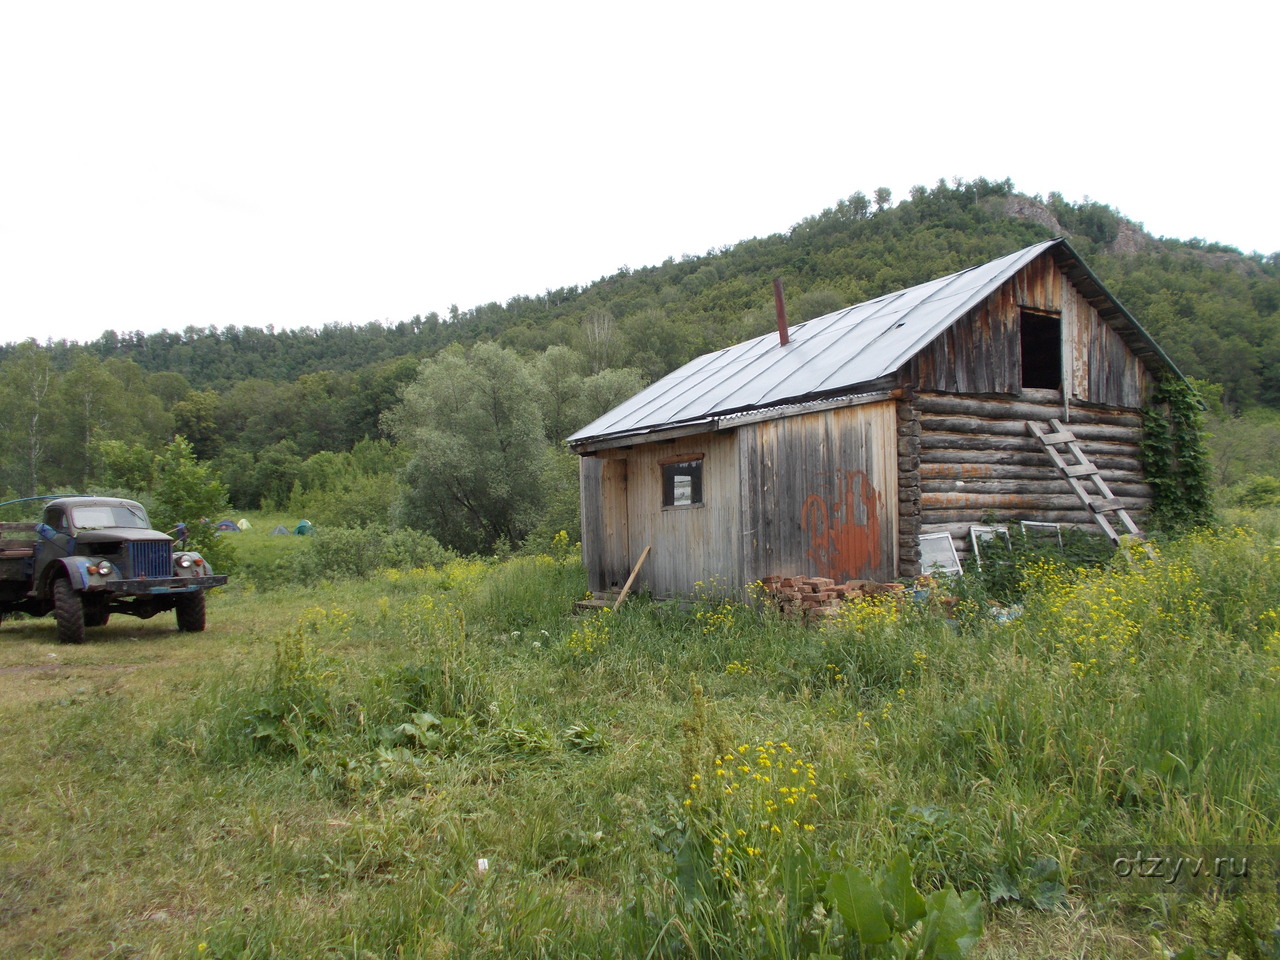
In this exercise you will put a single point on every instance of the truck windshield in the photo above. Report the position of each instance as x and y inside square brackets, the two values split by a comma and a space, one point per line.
[101, 516]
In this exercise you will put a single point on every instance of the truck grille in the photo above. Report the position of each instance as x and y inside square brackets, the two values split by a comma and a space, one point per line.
[154, 559]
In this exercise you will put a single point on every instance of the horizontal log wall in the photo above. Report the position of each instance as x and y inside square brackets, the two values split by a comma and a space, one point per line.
[910, 478]
[978, 461]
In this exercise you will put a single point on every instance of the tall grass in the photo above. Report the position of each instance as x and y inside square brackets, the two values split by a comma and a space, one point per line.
[629, 778]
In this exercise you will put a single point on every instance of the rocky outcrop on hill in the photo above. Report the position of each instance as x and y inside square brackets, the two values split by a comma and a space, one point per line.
[1131, 239]
[1021, 207]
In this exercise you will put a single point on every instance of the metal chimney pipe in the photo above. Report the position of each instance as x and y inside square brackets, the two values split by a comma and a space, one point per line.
[783, 339]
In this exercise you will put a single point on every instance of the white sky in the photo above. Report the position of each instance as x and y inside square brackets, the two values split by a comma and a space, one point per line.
[166, 164]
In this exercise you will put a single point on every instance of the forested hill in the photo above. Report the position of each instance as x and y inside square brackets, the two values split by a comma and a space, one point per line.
[1213, 309]
[278, 413]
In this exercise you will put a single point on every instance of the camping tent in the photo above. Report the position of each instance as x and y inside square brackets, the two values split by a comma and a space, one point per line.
[226, 526]
[281, 529]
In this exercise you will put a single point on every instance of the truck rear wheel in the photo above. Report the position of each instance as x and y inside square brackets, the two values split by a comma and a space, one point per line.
[190, 609]
[68, 610]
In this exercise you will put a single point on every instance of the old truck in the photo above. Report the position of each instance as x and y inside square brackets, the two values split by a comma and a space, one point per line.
[90, 557]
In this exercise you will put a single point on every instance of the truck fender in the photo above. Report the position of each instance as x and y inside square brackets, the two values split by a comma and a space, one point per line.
[200, 566]
[76, 568]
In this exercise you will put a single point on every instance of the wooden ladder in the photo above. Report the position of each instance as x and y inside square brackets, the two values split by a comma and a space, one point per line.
[1081, 472]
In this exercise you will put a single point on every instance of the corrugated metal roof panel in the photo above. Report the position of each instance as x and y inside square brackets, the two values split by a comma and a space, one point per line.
[840, 350]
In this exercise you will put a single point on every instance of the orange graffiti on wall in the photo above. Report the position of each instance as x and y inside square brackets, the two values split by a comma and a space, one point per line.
[844, 531]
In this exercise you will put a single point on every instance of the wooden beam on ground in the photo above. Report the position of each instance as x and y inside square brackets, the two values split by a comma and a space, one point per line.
[626, 587]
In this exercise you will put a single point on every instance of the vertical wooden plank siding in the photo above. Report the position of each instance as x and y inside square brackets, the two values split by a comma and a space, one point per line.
[1076, 347]
[617, 541]
[589, 470]
[689, 544]
[820, 494]
[1116, 376]
[981, 353]
[605, 550]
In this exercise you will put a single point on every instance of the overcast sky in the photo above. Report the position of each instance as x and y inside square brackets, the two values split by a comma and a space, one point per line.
[172, 164]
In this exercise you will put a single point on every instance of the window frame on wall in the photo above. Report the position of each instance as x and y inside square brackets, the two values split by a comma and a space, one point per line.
[1037, 331]
[688, 495]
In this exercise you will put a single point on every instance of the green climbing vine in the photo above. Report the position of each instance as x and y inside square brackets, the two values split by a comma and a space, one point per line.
[1176, 457]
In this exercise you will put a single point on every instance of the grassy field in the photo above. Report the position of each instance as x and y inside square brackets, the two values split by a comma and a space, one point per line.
[440, 762]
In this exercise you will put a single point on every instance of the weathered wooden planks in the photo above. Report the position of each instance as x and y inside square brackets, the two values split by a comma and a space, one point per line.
[819, 494]
[981, 353]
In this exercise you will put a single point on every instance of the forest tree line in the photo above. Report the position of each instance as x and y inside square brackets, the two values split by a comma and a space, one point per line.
[454, 424]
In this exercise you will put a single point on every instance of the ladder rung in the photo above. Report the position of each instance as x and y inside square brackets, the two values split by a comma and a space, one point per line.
[1080, 469]
[1105, 506]
[1066, 436]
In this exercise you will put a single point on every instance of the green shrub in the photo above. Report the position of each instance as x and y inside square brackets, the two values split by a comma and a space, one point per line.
[338, 553]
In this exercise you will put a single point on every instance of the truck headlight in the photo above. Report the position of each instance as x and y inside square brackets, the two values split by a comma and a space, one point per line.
[101, 568]
[184, 561]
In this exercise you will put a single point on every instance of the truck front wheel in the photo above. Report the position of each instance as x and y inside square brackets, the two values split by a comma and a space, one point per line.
[68, 610]
[190, 609]
[96, 613]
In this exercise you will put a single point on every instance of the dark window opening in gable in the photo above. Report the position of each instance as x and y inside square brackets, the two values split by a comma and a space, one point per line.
[1041, 351]
[682, 482]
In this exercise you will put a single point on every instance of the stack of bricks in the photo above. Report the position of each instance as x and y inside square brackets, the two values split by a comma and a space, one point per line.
[816, 598]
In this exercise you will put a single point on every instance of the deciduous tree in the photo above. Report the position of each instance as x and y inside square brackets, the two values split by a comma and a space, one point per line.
[474, 431]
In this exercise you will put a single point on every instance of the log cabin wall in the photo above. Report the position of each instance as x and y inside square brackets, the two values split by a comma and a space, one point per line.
[819, 494]
[976, 459]
[689, 543]
[909, 492]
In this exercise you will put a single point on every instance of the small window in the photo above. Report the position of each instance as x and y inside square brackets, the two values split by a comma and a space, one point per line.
[682, 482]
[1041, 351]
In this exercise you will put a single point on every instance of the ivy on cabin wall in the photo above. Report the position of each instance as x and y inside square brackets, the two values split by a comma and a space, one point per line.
[1176, 457]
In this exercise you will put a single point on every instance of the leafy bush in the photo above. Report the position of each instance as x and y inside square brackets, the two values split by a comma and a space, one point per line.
[1001, 576]
[1255, 493]
[339, 553]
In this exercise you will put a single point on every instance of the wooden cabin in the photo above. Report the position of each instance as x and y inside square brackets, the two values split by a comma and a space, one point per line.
[834, 453]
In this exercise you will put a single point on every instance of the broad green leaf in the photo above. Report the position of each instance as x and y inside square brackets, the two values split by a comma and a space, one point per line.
[1044, 868]
[860, 906]
[900, 893]
[952, 925]
[693, 876]
[1002, 888]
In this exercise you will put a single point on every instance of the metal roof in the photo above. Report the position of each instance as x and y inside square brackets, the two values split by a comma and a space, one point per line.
[853, 346]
